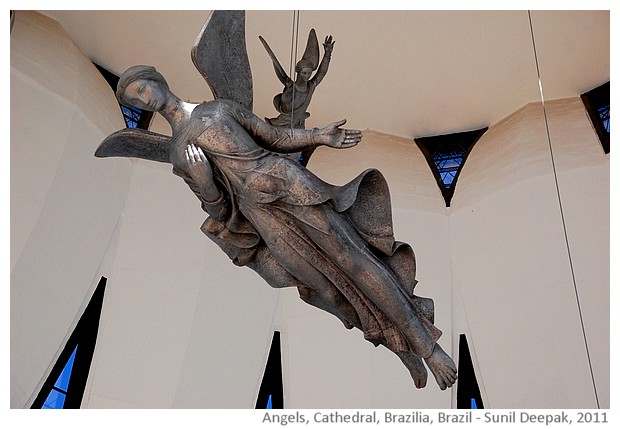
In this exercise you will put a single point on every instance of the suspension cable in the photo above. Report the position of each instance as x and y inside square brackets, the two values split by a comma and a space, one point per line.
[293, 60]
[557, 188]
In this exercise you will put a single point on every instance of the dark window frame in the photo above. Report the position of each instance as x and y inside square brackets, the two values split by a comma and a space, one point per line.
[271, 385]
[594, 101]
[467, 385]
[84, 335]
[442, 144]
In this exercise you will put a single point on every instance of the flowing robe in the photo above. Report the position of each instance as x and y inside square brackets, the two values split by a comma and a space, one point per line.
[274, 216]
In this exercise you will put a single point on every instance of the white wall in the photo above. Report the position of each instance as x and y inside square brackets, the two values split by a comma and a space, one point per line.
[65, 204]
[182, 327]
[511, 266]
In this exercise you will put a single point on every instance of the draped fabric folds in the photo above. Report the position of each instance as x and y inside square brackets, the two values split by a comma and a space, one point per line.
[365, 202]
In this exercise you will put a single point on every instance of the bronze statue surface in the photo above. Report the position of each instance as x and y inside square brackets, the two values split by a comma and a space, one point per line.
[293, 102]
[335, 244]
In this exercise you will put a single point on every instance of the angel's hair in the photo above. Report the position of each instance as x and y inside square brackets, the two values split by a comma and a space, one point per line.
[303, 63]
[135, 73]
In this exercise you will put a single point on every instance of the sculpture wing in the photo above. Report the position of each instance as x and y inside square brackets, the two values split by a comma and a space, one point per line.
[311, 53]
[221, 57]
[280, 73]
[136, 143]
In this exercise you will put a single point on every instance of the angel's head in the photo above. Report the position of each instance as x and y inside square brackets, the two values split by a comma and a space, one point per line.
[304, 69]
[142, 87]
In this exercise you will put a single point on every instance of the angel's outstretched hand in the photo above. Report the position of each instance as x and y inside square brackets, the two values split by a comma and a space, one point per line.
[340, 138]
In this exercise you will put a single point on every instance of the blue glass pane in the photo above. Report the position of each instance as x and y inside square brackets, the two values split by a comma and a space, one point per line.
[603, 113]
[269, 403]
[63, 380]
[473, 404]
[55, 400]
[131, 115]
[133, 112]
[448, 164]
[447, 177]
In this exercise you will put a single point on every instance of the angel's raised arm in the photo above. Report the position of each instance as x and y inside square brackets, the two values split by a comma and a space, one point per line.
[322, 71]
[280, 73]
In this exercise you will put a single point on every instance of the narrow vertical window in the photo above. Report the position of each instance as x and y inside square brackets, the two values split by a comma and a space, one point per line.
[467, 392]
[65, 385]
[58, 394]
[271, 392]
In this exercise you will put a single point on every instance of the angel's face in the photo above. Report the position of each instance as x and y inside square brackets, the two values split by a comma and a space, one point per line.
[146, 95]
[305, 74]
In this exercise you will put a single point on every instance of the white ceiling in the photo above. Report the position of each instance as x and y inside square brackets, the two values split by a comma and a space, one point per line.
[405, 73]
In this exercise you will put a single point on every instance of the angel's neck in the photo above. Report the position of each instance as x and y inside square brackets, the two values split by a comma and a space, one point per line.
[301, 86]
[177, 112]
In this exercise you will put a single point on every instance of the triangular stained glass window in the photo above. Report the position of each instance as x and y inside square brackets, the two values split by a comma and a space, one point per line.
[467, 392]
[597, 104]
[446, 155]
[65, 385]
[271, 392]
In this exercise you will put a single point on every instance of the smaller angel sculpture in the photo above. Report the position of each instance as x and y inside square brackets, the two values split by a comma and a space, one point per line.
[293, 102]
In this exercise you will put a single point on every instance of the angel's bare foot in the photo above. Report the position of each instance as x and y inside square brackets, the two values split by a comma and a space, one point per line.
[416, 368]
[442, 367]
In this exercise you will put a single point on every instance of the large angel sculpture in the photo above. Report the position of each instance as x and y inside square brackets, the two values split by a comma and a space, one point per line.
[334, 244]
